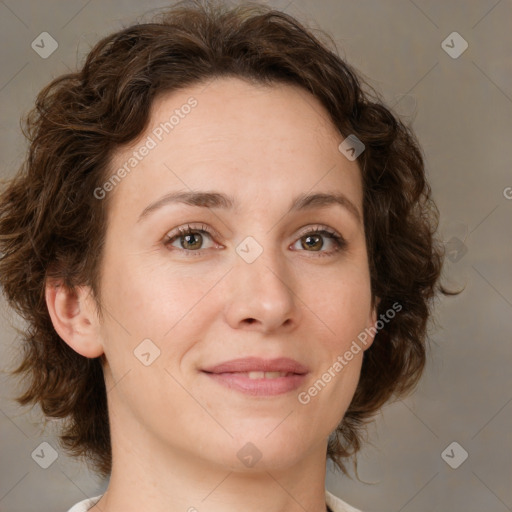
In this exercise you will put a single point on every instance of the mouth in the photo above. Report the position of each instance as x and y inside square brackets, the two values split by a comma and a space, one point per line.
[259, 377]
[263, 375]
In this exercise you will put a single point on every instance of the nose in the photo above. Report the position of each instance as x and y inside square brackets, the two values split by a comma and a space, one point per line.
[261, 295]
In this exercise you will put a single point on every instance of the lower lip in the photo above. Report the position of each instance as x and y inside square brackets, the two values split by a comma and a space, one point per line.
[258, 387]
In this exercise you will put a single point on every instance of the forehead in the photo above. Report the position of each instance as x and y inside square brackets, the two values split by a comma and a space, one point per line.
[255, 142]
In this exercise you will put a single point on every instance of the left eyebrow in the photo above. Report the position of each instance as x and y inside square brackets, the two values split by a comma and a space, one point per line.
[325, 200]
[223, 201]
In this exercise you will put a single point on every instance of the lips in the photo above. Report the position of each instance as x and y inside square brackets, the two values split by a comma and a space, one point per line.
[257, 364]
[259, 377]
[265, 375]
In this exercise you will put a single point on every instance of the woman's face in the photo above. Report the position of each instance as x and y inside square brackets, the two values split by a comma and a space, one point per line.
[250, 280]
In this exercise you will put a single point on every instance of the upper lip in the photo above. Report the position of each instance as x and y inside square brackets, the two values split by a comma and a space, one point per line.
[257, 364]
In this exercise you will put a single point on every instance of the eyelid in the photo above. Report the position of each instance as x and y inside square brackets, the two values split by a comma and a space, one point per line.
[316, 228]
[192, 226]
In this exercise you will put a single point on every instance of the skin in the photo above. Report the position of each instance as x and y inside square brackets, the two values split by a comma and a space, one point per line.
[175, 433]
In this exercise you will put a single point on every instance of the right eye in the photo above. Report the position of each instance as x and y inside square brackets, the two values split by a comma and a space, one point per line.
[190, 239]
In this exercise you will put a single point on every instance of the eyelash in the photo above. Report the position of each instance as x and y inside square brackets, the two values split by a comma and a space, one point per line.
[338, 240]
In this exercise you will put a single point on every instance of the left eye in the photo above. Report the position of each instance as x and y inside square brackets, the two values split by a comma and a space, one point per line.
[314, 240]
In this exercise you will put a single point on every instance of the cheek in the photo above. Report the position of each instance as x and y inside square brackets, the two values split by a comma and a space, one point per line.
[168, 305]
[147, 297]
[341, 303]
[344, 306]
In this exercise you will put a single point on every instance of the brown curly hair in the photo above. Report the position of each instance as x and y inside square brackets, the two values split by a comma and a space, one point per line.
[52, 226]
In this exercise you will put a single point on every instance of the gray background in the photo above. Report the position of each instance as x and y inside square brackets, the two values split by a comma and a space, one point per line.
[461, 109]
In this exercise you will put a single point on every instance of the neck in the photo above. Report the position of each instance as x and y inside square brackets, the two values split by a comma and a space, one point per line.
[166, 479]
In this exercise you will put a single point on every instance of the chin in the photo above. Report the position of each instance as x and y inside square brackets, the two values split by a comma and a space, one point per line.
[259, 451]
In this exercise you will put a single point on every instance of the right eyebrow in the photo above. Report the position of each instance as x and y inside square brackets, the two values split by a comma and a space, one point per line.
[201, 199]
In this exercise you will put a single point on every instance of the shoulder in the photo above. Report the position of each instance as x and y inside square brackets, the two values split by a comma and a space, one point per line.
[85, 505]
[336, 504]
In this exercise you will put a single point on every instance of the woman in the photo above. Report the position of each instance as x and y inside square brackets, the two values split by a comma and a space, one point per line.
[224, 249]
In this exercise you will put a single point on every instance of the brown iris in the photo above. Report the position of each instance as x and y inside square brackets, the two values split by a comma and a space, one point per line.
[308, 245]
